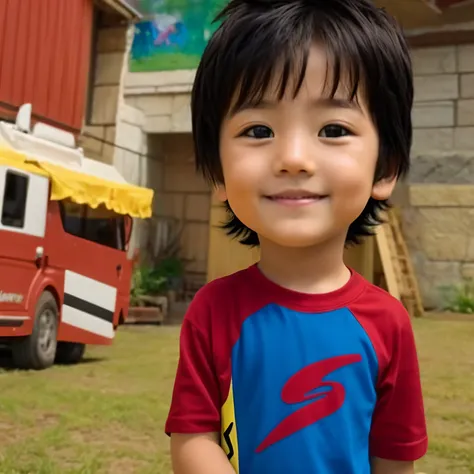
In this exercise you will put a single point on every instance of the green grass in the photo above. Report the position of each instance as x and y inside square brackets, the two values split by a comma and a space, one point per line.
[107, 414]
[446, 351]
[165, 62]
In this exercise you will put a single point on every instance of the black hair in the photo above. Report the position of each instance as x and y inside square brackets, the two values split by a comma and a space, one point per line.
[258, 39]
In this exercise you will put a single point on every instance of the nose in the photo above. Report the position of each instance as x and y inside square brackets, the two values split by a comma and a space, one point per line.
[295, 155]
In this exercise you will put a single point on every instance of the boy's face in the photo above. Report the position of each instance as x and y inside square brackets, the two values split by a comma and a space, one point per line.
[299, 171]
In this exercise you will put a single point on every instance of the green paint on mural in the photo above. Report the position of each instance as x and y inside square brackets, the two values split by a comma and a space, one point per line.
[173, 34]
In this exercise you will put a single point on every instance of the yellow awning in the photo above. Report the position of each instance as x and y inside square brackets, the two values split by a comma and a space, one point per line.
[84, 188]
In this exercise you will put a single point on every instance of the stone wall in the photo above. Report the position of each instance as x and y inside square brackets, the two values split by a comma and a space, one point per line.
[131, 158]
[443, 114]
[164, 97]
[181, 194]
[106, 91]
[439, 226]
[185, 197]
[117, 128]
[438, 213]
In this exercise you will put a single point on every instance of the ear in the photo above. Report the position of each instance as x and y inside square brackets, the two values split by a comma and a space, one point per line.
[221, 193]
[383, 189]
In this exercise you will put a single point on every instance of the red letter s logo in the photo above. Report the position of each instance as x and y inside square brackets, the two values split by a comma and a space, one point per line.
[296, 391]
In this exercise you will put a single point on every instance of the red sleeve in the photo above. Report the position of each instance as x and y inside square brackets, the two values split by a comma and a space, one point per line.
[399, 428]
[195, 404]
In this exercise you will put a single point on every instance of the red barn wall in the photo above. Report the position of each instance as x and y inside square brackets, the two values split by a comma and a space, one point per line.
[45, 51]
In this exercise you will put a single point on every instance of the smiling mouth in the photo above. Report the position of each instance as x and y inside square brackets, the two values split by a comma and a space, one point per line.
[296, 197]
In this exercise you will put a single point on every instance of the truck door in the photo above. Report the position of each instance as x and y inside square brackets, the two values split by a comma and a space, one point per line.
[89, 246]
[108, 229]
[23, 208]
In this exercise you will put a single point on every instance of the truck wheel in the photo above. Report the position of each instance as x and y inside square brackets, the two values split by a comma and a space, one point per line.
[69, 352]
[38, 350]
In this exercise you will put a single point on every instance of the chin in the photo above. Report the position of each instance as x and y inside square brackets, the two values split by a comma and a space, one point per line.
[294, 238]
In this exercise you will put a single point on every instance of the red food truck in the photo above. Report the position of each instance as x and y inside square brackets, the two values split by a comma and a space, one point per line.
[65, 261]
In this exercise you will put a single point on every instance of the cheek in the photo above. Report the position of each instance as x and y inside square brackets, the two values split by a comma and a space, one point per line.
[352, 179]
[243, 177]
[242, 173]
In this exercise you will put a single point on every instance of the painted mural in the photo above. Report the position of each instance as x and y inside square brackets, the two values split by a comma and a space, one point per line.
[172, 34]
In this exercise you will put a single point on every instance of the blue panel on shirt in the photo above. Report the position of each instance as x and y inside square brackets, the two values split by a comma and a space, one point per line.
[275, 343]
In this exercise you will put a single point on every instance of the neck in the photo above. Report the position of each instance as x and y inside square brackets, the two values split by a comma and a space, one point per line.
[316, 269]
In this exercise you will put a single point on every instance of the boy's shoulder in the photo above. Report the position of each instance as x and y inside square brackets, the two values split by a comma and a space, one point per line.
[219, 290]
[221, 294]
[377, 304]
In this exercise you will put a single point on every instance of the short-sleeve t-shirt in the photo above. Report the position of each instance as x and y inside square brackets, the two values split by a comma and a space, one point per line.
[299, 383]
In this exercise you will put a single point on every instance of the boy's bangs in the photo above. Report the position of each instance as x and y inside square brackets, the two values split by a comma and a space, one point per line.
[277, 71]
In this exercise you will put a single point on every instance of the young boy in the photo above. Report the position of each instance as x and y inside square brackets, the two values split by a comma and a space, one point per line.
[297, 365]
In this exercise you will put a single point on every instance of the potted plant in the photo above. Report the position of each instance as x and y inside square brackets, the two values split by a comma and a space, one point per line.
[147, 303]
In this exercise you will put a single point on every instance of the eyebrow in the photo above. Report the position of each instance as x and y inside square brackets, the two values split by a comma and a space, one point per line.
[325, 102]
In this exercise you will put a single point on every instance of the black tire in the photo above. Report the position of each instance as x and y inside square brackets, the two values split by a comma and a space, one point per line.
[69, 352]
[38, 350]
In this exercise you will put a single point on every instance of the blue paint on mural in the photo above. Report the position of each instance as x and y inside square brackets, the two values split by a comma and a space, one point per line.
[173, 33]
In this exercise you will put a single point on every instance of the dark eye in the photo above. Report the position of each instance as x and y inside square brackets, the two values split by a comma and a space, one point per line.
[334, 131]
[259, 132]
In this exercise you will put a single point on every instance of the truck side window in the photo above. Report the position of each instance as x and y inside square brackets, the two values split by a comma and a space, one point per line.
[73, 217]
[105, 227]
[14, 200]
[99, 225]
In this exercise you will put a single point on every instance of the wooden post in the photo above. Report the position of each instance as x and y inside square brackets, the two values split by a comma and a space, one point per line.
[225, 255]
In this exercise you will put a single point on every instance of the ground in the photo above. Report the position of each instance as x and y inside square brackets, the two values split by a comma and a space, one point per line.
[165, 62]
[106, 415]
